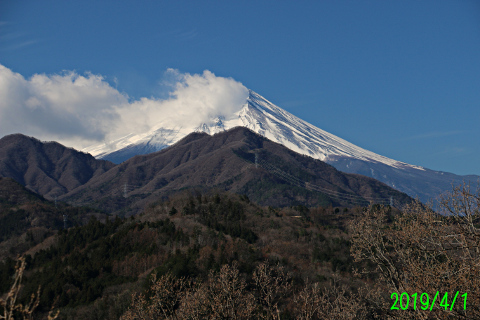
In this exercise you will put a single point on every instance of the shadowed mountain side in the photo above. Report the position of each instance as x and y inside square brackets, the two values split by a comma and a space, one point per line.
[226, 161]
[12, 194]
[47, 168]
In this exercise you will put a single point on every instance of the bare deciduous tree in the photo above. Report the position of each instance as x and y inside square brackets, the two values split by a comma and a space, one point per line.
[195, 305]
[227, 295]
[272, 284]
[10, 305]
[166, 292]
[222, 296]
[334, 302]
[422, 251]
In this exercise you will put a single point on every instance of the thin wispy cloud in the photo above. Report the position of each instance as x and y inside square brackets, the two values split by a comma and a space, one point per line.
[310, 98]
[180, 34]
[8, 36]
[19, 45]
[10, 41]
[452, 152]
[435, 135]
[187, 35]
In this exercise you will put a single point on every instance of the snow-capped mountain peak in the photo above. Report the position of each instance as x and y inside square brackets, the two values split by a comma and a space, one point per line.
[257, 114]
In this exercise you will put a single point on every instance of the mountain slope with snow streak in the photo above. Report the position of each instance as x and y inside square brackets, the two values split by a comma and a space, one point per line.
[282, 127]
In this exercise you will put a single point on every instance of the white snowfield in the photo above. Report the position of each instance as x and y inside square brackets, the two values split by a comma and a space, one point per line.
[264, 118]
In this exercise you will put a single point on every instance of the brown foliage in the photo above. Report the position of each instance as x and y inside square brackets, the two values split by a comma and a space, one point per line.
[422, 251]
[225, 295]
[222, 296]
[166, 294]
[135, 265]
[272, 284]
[336, 302]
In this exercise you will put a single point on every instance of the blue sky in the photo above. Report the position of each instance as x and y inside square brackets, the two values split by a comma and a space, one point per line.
[400, 78]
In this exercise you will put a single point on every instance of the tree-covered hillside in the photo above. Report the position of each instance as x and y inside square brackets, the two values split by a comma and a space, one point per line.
[218, 255]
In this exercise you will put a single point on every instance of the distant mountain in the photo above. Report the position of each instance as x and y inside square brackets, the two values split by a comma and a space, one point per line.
[278, 125]
[237, 160]
[426, 184]
[47, 168]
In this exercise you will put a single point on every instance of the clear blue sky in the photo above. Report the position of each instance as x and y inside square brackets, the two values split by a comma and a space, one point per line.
[400, 78]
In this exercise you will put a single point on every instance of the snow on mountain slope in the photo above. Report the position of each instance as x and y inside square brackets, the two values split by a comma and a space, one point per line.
[281, 126]
[257, 114]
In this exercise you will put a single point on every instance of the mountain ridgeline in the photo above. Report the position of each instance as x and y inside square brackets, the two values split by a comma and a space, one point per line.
[278, 125]
[237, 160]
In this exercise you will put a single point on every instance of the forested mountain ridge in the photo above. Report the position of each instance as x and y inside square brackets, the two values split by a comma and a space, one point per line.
[48, 168]
[237, 160]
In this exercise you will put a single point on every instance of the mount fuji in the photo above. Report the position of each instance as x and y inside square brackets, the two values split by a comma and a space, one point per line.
[278, 125]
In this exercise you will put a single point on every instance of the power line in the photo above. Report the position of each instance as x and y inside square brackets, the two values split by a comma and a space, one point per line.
[300, 183]
[127, 188]
[352, 198]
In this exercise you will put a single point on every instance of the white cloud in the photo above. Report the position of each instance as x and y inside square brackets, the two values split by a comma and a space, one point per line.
[81, 110]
